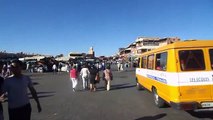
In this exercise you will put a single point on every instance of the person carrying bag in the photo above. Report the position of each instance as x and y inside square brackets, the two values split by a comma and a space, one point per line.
[97, 78]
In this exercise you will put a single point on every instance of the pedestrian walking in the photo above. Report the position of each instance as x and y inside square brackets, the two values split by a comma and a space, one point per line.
[54, 68]
[1, 94]
[8, 70]
[99, 66]
[84, 73]
[1, 69]
[93, 72]
[32, 66]
[119, 66]
[107, 77]
[74, 78]
[16, 85]
[59, 67]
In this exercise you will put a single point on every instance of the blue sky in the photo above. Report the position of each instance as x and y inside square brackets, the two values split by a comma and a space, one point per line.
[61, 26]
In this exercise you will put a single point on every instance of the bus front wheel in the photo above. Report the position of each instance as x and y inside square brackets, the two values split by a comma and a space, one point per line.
[138, 85]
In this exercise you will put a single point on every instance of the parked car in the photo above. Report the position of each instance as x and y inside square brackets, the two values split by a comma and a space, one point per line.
[40, 68]
[65, 68]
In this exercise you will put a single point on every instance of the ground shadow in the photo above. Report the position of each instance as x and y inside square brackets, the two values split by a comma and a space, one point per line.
[116, 87]
[35, 83]
[123, 76]
[39, 94]
[129, 70]
[202, 114]
[42, 94]
[156, 117]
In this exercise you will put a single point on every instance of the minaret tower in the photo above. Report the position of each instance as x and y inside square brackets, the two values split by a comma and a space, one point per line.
[91, 52]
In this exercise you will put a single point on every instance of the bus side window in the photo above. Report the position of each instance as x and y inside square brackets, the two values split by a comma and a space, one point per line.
[157, 65]
[143, 62]
[138, 64]
[182, 64]
[150, 62]
[191, 60]
[161, 61]
[211, 57]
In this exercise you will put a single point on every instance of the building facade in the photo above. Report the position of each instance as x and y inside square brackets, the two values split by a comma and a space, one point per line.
[144, 44]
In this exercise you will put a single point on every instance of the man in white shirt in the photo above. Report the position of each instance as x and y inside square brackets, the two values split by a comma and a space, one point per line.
[54, 68]
[85, 76]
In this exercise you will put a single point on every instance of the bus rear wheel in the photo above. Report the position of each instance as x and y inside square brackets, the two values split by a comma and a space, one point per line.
[159, 102]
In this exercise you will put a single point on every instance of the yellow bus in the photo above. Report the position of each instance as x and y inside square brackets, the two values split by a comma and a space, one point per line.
[179, 74]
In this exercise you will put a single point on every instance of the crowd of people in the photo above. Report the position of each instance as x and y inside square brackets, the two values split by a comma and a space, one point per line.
[14, 85]
[90, 76]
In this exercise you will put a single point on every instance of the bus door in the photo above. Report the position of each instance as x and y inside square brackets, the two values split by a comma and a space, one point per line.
[194, 80]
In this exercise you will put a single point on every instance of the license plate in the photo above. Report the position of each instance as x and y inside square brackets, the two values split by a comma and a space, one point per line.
[207, 104]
